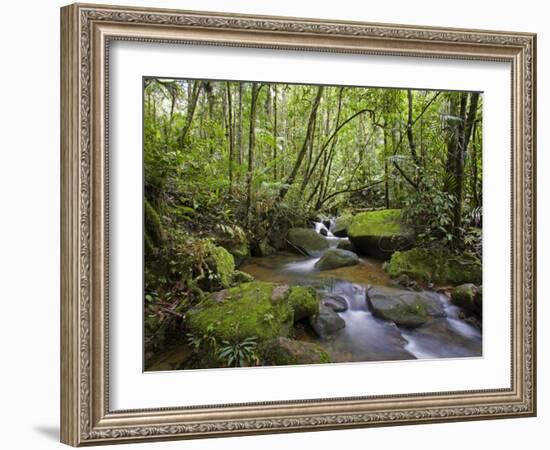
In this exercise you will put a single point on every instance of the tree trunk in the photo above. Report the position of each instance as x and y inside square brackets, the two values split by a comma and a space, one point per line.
[275, 133]
[456, 152]
[240, 126]
[230, 136]
[193, 100]
[410, 135]
[251, 144]
[386, 169]
[309, 133]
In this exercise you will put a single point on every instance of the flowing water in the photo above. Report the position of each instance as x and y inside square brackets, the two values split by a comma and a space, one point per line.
[365, 337]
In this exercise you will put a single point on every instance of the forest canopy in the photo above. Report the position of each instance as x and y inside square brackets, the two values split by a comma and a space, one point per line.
[283, 152]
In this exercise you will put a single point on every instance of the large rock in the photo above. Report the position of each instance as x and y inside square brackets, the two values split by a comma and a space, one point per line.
[233, 239]
[435, 266]
[255, 309]
[240, 277]
[283, 351]
[326, 322]
[306, 241]
[304, 301]
[467, 296]
[439, 338]
[221, 266]
[153, 231]
[405, 308]
[335, 302]
[335, 257]
[262, 248]
[380, 233]
[340, 227]
[346, 244]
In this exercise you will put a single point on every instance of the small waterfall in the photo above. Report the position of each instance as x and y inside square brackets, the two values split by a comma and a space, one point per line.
[322, 229]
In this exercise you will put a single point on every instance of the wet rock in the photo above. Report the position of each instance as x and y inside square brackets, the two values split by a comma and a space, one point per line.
[306, 241]
[340, 227]
[335, 257]
[326, 322]
[335, 302]
[346, 244]
[284, 351]
[440, 339]
[380, 233]
[323, 231]
[405, 308]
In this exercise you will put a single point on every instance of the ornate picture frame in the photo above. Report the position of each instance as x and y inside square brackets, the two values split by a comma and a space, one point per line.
[86, 34]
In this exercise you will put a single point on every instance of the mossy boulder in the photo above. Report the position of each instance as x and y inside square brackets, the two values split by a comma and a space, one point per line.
[463, 269]
[379, 233]
[336, 257]
[405, 308]
[435, 266]
[282, 351]
[262, 248]
[153, 231]
[242, 277]
[306, 241]
[235, 242]
[255, 309]
[341, 225]
[468, 296]
[304, 301]
[221, 265]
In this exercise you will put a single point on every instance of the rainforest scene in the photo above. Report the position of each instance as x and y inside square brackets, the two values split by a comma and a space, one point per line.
[290, 224]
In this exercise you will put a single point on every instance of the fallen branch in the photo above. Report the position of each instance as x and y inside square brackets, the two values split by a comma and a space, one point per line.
[362, 188]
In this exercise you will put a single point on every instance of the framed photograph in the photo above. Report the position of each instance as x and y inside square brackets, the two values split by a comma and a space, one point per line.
[277, 224]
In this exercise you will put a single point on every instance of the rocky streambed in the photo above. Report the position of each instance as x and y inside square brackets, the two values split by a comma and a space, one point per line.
[330, 298]
[379, 321]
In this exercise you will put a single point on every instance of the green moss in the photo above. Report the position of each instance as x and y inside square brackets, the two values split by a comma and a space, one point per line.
[242, 277]
[222, 264]
[463, 270]
[238, 248]
[285, 352]
[342, 224]
[435, 266]
[304, 301]
[247, 310]
[385, 222]
[416, 263]
[467, 296]
[152, 226]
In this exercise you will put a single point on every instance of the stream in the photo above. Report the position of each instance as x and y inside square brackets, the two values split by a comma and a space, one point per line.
[365, 337]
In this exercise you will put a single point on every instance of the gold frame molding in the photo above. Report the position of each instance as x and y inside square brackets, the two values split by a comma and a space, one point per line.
[86, 31]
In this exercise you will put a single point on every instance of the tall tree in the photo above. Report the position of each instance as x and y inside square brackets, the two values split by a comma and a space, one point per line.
[230, 132]
[305, 145]
[251, 145]
[193, 96]
[462, 114]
